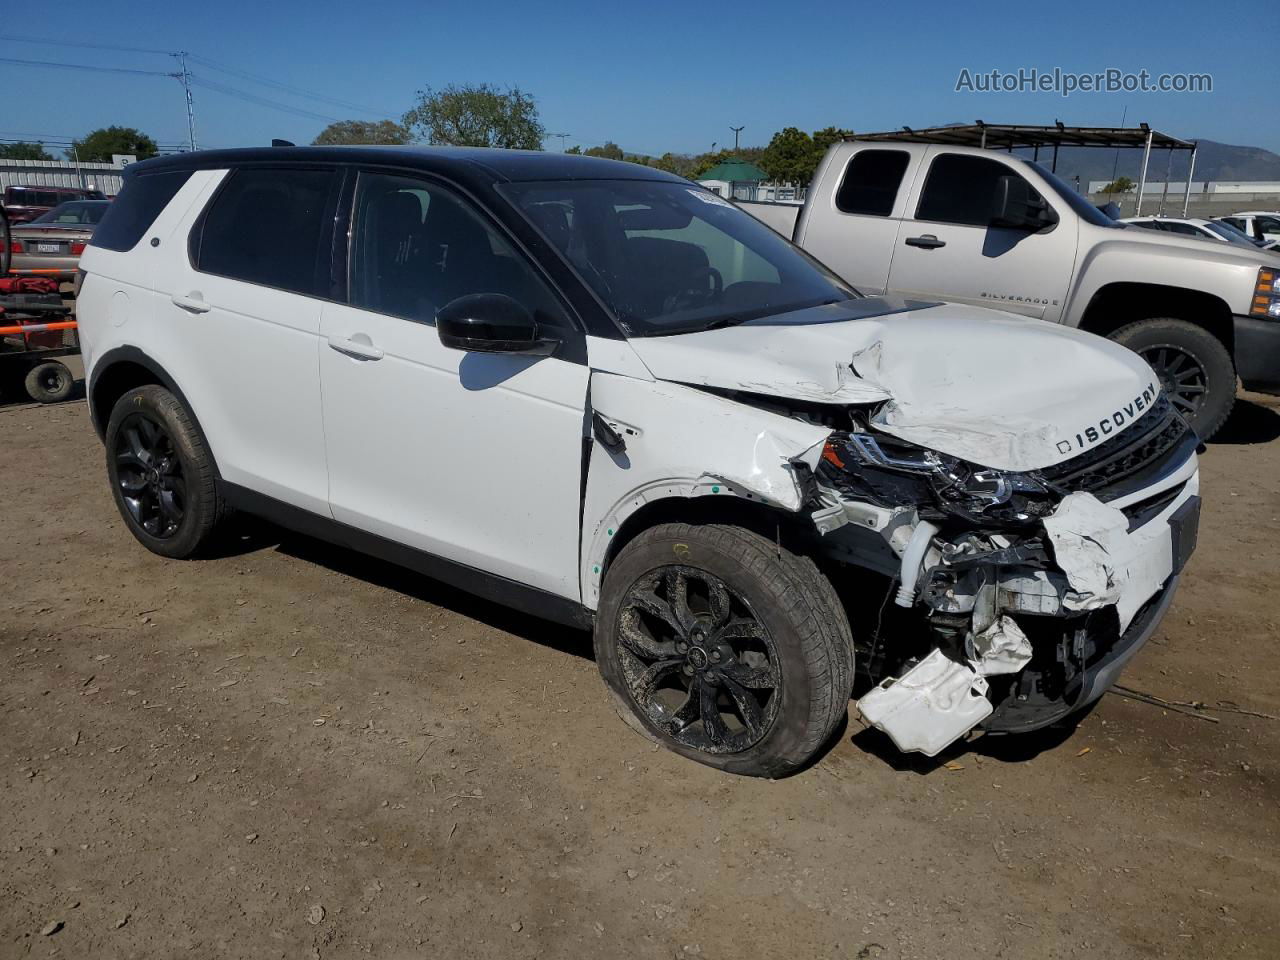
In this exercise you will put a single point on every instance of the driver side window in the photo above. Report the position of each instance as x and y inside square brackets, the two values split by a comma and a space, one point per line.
[960, 189]
[416, 246]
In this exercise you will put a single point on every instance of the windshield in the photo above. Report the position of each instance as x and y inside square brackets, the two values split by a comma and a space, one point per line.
[1229, 233]
[1081, 205]
[669, 258]
[74, 211]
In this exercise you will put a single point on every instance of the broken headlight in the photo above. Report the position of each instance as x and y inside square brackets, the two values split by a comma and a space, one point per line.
[891, 473]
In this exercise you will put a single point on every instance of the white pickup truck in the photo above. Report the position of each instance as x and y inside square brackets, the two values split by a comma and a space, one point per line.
[977, 226]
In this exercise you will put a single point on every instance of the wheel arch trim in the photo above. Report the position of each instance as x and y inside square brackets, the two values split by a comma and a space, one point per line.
[690, 500]
[118, 358]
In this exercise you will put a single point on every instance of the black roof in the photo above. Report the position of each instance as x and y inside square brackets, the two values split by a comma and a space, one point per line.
[464, 163]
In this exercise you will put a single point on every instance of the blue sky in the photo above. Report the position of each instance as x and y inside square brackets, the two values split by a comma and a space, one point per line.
[652, 77]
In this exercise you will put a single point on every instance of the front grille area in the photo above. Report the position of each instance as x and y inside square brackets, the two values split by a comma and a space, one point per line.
[1159, 439]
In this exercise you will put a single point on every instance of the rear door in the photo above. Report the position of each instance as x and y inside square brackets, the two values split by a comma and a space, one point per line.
[244, 291]
[853, 225]
[475, 457]
[947, 248]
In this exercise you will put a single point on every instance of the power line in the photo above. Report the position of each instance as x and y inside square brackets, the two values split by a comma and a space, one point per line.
[204, 61]
[287, 88]
[85, 66]
[257, 100]
[84, 44]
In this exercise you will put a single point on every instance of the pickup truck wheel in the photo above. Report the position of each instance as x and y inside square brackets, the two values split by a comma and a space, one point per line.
[162, 474]
[724, 647]
[1194, 367]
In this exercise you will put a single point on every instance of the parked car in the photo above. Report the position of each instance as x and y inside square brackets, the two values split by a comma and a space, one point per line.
[1217, 231]
[51, 244]
[1258, 224]
[602, 394]
[983, 227]
[24, 204]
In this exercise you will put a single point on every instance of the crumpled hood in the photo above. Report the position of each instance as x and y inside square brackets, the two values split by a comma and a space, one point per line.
[995, 389]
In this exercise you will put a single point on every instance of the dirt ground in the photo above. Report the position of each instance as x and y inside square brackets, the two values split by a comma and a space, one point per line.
[294, 752]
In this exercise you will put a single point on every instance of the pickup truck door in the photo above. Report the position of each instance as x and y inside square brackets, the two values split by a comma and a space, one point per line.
[947, 248]
[474, 457]
[856, 208]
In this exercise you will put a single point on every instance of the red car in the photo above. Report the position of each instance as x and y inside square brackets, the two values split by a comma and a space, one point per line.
[24, 203]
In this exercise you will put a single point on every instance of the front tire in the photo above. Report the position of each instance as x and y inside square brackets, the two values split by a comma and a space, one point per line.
[1194, 367]
[724, 647]
[162, 475]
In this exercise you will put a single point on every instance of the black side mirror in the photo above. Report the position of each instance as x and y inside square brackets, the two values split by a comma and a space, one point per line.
[1019, 207]
[490, 323]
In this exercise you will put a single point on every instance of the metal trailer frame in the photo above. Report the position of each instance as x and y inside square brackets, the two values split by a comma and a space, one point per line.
[1010, 137]
[30, 313]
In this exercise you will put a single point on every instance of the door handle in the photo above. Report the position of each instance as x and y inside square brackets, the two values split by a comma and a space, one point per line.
[192, 302]
[927, 242]
[361, 349]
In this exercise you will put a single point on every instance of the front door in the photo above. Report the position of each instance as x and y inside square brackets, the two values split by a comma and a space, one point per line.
[947, 248]
[470, 456]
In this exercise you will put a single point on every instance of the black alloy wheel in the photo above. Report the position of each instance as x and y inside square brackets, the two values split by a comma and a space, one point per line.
[696, 660]
[150, 475]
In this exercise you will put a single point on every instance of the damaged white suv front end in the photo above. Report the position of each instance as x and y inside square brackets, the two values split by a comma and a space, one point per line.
[1025, 486]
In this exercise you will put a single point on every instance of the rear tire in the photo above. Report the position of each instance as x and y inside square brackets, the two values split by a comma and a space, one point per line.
[49, 382]
[162, 474]
[724, 647]
[1194, 367]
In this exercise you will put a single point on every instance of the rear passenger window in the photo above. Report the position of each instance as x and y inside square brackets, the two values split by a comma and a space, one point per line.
[961, 189]
[265, 227]
[871, 182]
[139, 203]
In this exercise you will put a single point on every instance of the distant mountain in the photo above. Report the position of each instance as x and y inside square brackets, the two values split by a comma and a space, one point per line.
[1214, 161]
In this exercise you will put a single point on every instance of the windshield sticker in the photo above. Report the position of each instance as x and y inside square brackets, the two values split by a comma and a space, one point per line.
[711, 198]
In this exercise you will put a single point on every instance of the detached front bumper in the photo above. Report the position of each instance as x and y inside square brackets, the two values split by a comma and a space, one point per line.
[1258, 354]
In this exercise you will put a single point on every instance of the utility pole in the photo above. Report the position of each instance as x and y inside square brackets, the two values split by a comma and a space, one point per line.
[184, 77]
[563, 137]
[736, 131]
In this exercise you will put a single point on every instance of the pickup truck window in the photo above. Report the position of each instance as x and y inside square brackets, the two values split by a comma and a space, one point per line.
[668, 258]
[960, 189]
[871, 182]
[1080, 205]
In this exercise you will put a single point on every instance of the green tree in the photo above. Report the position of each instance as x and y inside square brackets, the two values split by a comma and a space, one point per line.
[610, 151]
[24, 151]
[99, 145]
[680, 164]
[476, 115]
[575, 150]
[705, 161]
[362, 131]
[790, 157]
[1119, 185]
[824, 138]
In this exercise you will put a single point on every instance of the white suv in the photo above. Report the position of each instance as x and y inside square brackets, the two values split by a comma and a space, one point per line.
[606, 396]
[1258, 224]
